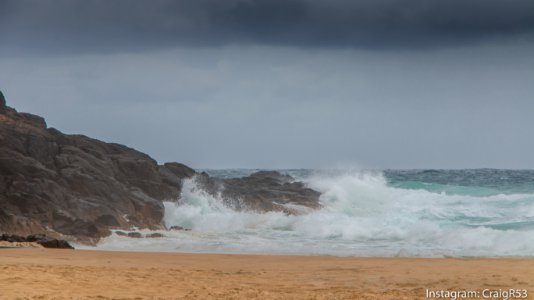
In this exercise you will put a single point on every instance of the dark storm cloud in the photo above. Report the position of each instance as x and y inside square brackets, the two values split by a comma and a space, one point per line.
[115, 25]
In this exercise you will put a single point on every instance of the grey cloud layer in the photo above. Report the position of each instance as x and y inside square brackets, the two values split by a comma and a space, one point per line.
[115, 25]
[465, 107]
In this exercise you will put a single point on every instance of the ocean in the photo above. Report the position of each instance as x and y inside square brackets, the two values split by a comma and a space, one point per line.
[414, 213]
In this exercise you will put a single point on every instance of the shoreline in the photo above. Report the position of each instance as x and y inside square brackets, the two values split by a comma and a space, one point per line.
[512, 257]
[81, 274]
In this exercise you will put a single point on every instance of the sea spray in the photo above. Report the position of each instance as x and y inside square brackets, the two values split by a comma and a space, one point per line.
[364, 213]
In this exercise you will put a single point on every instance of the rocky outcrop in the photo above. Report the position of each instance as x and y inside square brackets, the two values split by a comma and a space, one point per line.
[154, 235]
[78, 188]
[39, 239]
[262, 192]
[73, 186]
[138, 235]
[177, 228]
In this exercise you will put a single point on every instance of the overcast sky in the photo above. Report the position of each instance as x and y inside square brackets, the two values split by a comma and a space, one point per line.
[281, 83]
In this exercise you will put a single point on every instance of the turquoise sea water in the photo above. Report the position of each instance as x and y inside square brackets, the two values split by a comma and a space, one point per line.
[484, 212]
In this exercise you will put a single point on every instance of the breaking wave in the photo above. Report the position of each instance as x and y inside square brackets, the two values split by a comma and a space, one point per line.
[363, 214]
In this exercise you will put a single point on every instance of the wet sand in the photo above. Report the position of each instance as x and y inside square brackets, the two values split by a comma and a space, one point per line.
[76, 274]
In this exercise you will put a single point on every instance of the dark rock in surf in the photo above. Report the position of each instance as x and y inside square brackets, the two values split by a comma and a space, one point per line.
[55, 243]
[136, 235]
[36, 237]
[43, 240]
[179, 228]
[262, 191]
[12, 238]
[155, 235]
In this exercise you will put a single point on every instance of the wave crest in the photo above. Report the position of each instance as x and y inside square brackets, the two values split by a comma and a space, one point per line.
[362, 215]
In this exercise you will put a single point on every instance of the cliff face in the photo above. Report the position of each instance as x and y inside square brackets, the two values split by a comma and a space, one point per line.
[72, 185]
[78, 188]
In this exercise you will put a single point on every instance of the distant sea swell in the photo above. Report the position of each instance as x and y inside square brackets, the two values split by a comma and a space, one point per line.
[431, 213]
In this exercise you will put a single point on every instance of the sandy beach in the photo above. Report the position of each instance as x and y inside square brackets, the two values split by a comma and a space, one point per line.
[76, 274]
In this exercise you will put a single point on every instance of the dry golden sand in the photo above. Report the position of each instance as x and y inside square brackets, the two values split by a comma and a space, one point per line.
[74, 274]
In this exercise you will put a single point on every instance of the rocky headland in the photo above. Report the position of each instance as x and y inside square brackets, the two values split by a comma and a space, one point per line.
[78, 188]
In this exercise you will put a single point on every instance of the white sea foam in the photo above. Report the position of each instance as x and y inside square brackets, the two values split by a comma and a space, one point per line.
[362, 215]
